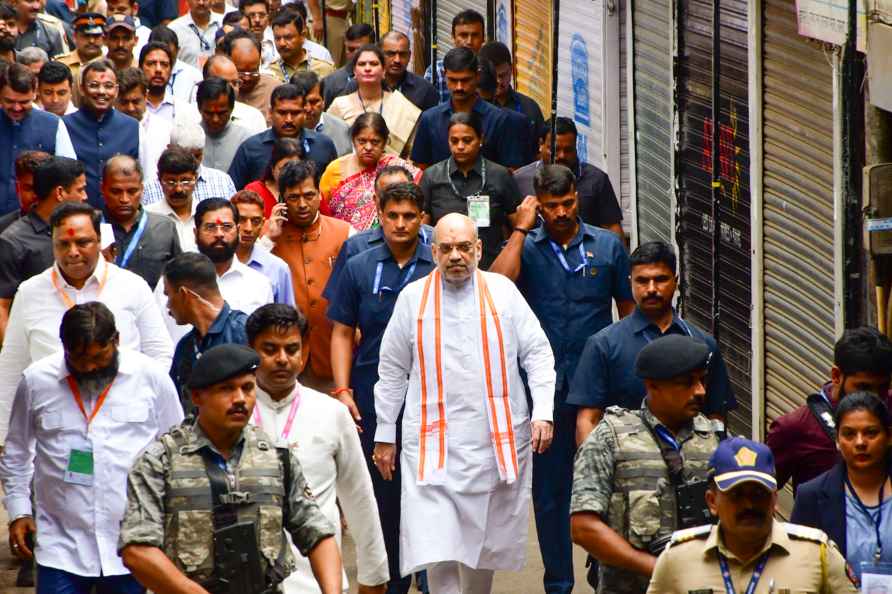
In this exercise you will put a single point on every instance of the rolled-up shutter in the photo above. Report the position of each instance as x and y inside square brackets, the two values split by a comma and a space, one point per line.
[653, 103]
[623, 186]
[797, 84]
[532, 50]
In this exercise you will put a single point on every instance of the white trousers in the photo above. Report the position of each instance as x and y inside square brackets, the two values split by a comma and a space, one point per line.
[452, 577]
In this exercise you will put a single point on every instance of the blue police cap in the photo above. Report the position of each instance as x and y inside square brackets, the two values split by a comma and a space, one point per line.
[740, 460]
[671, 356]
[221, 363]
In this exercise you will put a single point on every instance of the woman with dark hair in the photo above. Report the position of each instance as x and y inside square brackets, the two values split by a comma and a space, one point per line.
[852, 502]
[285, 150]
[348, 183]
[372, 95]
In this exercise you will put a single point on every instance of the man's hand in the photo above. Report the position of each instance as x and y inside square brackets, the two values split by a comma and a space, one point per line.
[277, 218]
[318, 30]
[384, 458]
[345, 397]
[379, 589]
[110, 253]
[543, 432]
[526, 213]
[18, 532]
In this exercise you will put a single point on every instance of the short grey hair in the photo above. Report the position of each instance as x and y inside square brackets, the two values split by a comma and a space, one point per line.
[32, 55]
[189, 136]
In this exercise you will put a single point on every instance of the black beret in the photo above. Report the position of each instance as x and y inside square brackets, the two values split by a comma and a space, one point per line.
[222, 362]
[671, 356]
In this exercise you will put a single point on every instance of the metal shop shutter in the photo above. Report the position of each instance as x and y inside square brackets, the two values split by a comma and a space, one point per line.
[652, 63]
[532, 50]
[623, 186]
[798, 211]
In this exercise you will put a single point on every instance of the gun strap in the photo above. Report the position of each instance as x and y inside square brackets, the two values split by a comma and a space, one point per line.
[821, 411]
[671, 456]
[224, 514]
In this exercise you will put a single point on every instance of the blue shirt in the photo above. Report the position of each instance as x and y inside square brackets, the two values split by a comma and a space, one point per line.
[277, 271]
[98, 140]
[356, 244]
[504, 141]
[606, 376]
[356, 303]
[228, 328]
[252, 156]
[861, 536]
[441, 88]
[573, 305]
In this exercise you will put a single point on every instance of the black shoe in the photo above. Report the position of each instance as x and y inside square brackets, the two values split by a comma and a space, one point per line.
[25, 578]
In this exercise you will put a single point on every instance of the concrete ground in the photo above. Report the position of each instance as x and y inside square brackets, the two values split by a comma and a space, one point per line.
[528, 581]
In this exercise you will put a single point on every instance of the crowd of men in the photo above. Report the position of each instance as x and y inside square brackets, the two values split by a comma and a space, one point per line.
[206, 372]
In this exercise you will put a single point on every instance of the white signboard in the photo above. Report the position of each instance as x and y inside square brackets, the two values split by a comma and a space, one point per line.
[827, 20]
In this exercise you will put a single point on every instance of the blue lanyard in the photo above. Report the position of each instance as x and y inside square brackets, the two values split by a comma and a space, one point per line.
[754, 581]
[378, 289]
[131, 247]
[877, 519]
[563, 260]
[666, 436]
[205, 46]
[423, 234]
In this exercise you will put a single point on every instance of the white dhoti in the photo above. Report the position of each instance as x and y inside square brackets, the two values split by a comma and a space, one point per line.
[470, 514]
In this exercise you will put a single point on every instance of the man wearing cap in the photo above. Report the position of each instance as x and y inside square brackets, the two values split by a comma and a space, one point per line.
[640, 475]
[234, 477]
[89, 37]
[748, 551]
[121, 39]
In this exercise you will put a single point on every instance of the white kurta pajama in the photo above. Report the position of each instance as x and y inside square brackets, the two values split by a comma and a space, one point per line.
[473, 518]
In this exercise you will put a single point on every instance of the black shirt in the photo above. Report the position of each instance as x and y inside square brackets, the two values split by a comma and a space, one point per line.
[440, 199]
[527, 106]
[9, 218]
[336, 84]
[158, 244]
[26, 250]
[597, 202]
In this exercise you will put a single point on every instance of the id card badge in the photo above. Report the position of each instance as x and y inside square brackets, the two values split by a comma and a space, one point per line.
[876, 578]
[478, 210]
[79, 470]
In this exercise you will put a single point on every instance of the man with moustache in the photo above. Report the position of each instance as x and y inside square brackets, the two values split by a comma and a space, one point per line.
[89, 39]
[256, 88]
[55, 87]
[250, 118]
[288, 34]
[120, 30]
[637, 468]
[36, 31]
[570, 273]
[469, 31]
[80, 419]
[748, 548]
[8, 32]
[605, 375]
[195, 33]
[183, 77]
[143, 241]
[177, 175]
[154, 132]
[156, 60]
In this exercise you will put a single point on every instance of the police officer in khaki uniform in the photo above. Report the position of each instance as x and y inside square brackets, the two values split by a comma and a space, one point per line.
[208, 504]
[748, 551]
[89, 39]
[640, 475]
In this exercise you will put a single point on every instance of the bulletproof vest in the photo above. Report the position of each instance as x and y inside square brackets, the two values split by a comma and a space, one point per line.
[642, 505]
[188, 518]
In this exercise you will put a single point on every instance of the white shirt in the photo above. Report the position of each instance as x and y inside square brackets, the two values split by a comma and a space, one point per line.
[244, 288]
[324, 438]
[317, 50]
[194, 41]
[185, 229]
[268, 44]
[154, 136]
[79, 524]
[183, 79]
[33, 329]
[64, 147]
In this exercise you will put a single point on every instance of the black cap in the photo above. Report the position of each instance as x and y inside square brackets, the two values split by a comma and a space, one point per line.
[671, 356]
[222, 362]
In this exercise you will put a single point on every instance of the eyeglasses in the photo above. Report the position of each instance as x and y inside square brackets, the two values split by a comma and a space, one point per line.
[95, 86]
[249, 75]
[446, 248]
[171, 184]
[211, 227]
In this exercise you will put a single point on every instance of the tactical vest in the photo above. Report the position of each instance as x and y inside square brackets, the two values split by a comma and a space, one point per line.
[642, 505]
[188, 517]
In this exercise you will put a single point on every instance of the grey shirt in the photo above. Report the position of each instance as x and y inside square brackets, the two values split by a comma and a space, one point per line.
[157, 244]
[219, 150]
[26, 250]
[339, 132]
[41, 35]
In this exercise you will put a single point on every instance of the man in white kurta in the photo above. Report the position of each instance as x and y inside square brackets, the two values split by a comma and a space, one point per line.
[465, 508]
[323, 436]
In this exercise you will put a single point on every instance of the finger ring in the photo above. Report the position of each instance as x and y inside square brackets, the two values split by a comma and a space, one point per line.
[15, 546]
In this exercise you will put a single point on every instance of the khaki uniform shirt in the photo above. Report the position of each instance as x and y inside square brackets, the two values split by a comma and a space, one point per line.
[801, 561]
[284, 72]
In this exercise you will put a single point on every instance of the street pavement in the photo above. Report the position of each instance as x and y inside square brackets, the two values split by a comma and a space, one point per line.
[528, 581]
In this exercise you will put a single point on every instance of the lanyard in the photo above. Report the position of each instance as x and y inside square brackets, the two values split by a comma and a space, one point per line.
[754, 581]
[131, 247]
[666, 436]
[378, 289]
[482, 177]
[205, 46]
[64, 296]
[292, 412]
[423, 234]
[563, 260]
[76, 392]
[364, 110]
[877, 520]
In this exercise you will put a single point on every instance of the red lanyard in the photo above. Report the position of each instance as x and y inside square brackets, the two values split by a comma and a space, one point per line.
[64, 296]
[75, 390]
[292, 412]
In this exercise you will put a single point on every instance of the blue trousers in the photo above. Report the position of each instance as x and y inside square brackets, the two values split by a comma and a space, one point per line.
[552, 485]
[56, 581]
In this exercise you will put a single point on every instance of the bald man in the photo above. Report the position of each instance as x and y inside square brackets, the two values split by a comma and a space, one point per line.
[453, 350]
[132, 238]
[256, 88]
[249, 118]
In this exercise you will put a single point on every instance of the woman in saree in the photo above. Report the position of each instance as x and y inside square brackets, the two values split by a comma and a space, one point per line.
[348, 183]
[370, 96]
